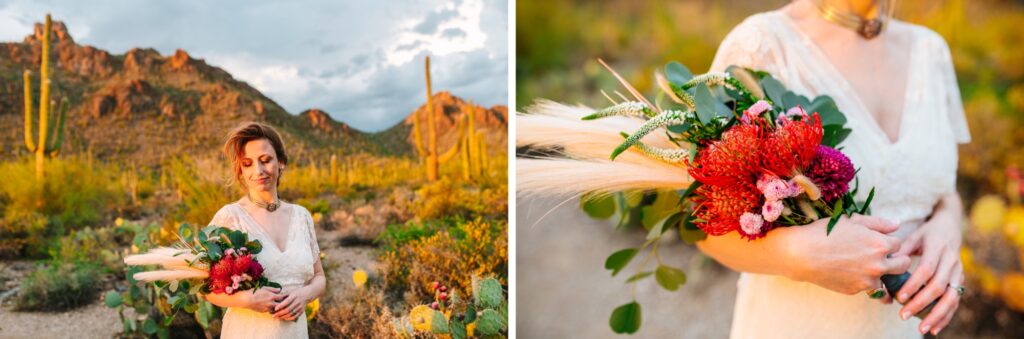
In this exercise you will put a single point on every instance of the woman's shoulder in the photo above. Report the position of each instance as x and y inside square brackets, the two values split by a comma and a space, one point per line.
[299, 209]
[915, 32]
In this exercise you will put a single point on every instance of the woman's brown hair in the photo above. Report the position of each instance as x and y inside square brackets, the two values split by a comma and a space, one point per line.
[234, 146]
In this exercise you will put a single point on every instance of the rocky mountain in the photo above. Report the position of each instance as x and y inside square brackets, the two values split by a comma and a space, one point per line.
[147, 107]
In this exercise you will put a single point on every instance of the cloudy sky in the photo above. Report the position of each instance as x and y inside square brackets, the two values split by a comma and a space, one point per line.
[359, 60]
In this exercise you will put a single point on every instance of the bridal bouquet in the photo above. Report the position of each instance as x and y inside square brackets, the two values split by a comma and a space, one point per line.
[218, 260]
[734, 152]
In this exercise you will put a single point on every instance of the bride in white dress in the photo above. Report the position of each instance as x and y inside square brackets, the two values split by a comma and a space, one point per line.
[290, 255]
[900, 95]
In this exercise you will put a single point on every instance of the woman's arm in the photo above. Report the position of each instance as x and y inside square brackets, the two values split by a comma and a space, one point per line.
[262, 300]
[849, 260]
[294, 304]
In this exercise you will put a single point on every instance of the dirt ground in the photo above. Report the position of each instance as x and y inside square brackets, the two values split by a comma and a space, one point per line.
[563, 290]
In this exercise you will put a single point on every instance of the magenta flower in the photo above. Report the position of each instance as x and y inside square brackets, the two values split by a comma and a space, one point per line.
[831, 171]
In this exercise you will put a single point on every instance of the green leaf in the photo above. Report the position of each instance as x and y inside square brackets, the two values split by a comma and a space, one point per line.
[677, 73]
[254, 247]
[438, 324]
[214, 251]
[619, 260]
[185, 231]
[704, 103]
[632, 199]
[837, 211]
[667, 224]
[237, 239]
[867, 203]
[490, 293]
[689, 232]
[827, 110]
[489, 322]
[773, 89]
[626, 318]
[639, 276]
[669, 277]
[112, 299]
[149, 326]
[598, 206]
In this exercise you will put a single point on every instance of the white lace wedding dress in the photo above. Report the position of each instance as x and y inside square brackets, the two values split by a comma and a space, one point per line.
[909, 174]
[291, 268]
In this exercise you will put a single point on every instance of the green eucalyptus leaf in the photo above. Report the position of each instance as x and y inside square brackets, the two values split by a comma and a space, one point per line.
[626, 318]
[773, 89]
[618, 260]
[704, 103]
[639, 276]
[677, 73]
[669, 277]
[598, 206]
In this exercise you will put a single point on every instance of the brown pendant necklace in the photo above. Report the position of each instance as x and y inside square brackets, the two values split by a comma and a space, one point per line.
[867, 28]
[269, 206]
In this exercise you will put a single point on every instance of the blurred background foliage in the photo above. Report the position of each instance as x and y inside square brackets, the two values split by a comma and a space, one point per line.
[558, 43]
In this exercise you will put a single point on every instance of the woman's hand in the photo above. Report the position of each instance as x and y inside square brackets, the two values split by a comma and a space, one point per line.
[293, 305]
[849, 260]
[264, 299]
[937, 241]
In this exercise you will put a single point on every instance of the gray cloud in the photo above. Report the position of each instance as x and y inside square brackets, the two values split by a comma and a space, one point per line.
[317, 53]
[429, 24]
[453, 33]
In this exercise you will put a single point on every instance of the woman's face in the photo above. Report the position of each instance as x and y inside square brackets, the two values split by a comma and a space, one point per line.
[260, 167]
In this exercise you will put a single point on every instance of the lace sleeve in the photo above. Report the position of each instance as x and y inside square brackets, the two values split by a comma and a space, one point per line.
[226, 218]
[747, 45]
[955, 106]
[314, 247]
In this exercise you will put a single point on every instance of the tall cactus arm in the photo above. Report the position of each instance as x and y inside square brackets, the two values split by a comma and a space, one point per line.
[666, 118]
[29, 143]
[44, 114]
[58, 133]
[629, 108]
[448, 155]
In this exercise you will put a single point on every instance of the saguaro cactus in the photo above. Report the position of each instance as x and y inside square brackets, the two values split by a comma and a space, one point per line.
[432, 162]
[49, 137]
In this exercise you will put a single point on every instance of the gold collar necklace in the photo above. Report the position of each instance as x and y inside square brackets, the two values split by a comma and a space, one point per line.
[269, 206]
[867, 28]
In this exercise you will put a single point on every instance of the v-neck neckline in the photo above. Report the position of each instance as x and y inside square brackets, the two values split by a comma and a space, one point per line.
[262, 230]
[846, 86]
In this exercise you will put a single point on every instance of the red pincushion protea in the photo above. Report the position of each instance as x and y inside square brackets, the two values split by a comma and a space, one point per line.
[220, 274]
[729, 169]
[242, 264]
[792, 146]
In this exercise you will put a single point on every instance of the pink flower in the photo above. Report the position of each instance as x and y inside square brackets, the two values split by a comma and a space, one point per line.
[755, 110]
[776, 189]
[751, 223]
[229, 251]
[759, 107]
[229, 290]
[771, 210]
[235, 279]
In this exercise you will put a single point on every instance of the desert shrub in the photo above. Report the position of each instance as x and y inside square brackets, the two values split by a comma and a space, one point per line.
[451, 255]
[59, 286]
[95, 245]
[361, 314]
[449, 198]
[76, 192]
[200, 194]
